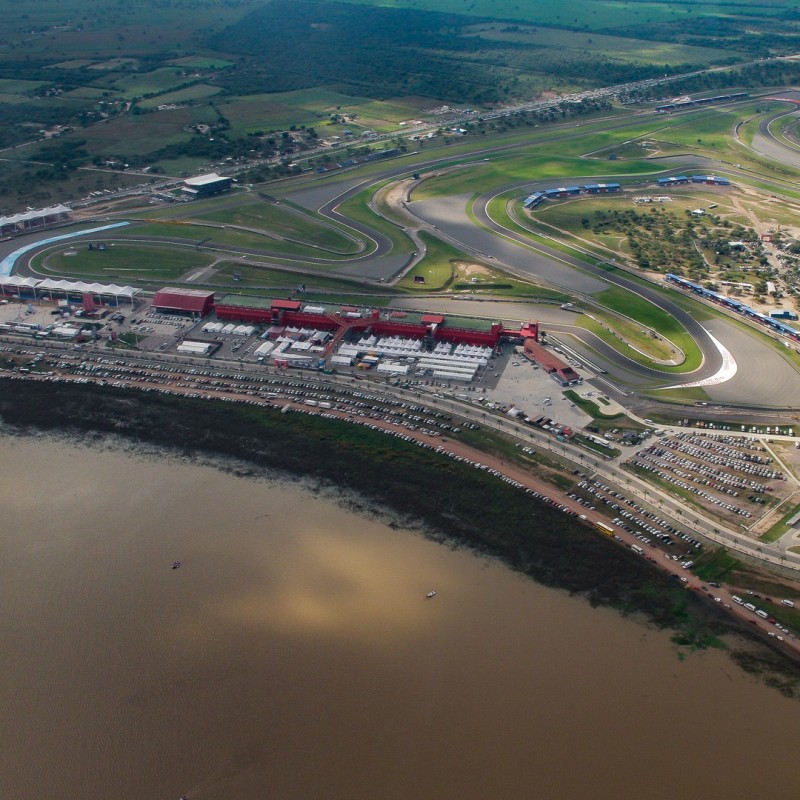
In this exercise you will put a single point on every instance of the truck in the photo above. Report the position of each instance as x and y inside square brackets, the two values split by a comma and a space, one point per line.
[636, 549]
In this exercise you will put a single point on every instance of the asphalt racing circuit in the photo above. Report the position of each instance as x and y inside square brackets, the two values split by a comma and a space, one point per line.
[739, 368]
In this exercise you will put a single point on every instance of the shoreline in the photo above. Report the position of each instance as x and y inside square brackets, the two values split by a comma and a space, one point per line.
[405, 486]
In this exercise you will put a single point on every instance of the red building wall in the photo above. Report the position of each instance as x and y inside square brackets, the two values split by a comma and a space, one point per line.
[302, 320]
[398, 328]
[240, 314]
[379, 327]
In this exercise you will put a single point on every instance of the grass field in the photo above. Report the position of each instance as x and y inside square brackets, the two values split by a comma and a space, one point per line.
[252, 241]
[285, 221]
[75, 63]
[445, 268]
[202, 62]
[124, 135]
[437, 269]
[357, 208]
[589, 406]
[715, 565]
[256, 277]
[159, 80]
[780, 527]
[10, 86]
[610, 328]
[118, 32]
[191, 94]
[122, 263]
[532, 166]
[617, 47]
[637, 308]
[313, 107]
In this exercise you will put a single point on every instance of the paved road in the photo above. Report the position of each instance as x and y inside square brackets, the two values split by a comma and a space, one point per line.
[766, 144]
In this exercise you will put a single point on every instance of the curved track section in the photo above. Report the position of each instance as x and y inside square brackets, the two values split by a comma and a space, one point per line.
[562, 270]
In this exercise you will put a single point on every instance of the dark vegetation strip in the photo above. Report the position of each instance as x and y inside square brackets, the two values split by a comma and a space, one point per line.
[453, 502]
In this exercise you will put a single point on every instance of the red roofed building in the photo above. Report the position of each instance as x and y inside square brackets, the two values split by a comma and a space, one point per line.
[184, 301]
[530, 330]
[286, 305]
[550, 363]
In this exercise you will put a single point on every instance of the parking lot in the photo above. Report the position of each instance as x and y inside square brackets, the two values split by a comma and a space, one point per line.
[736, 478]
[519, 383]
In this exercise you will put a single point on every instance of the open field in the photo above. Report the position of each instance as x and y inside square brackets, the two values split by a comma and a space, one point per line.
[313, 107]
[122, 263]
[159, 80]
[284, 221]
[357, 208]
[637, 308]
[518, 168]
[76, 31]
[609, 326]
[124, 135]
[618, 47]
[202, 62]
[439, 269]
[256, 278]
[253, 241]
[191, 94]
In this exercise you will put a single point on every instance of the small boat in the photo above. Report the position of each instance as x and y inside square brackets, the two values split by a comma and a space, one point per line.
[176, 564]
[431, 594]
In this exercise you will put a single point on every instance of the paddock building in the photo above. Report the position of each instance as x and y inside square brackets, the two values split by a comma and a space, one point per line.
[206, 185]
[194, 302]
[545, 358]
[340, 319]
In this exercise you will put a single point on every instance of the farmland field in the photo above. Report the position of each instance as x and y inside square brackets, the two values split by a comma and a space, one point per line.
[159, 80]
[125, 135]
[202, 62]
[620, 47]
[313, 107]
[199, 91]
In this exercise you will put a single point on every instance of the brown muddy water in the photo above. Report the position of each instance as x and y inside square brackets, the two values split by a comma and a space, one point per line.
[294, 655]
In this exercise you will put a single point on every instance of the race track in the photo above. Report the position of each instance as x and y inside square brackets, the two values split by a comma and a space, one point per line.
[763, 377]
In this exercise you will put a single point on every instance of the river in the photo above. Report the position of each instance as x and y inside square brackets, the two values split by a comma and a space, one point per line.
[294, 655]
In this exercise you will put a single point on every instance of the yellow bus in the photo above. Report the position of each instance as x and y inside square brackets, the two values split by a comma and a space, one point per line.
[603, 528]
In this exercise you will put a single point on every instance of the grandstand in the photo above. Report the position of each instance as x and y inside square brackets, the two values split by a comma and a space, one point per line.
[733, 304]
[34, 220]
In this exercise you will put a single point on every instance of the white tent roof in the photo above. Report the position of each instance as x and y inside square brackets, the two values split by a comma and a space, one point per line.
[70, 286]
[25, 216]
[16, 280]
